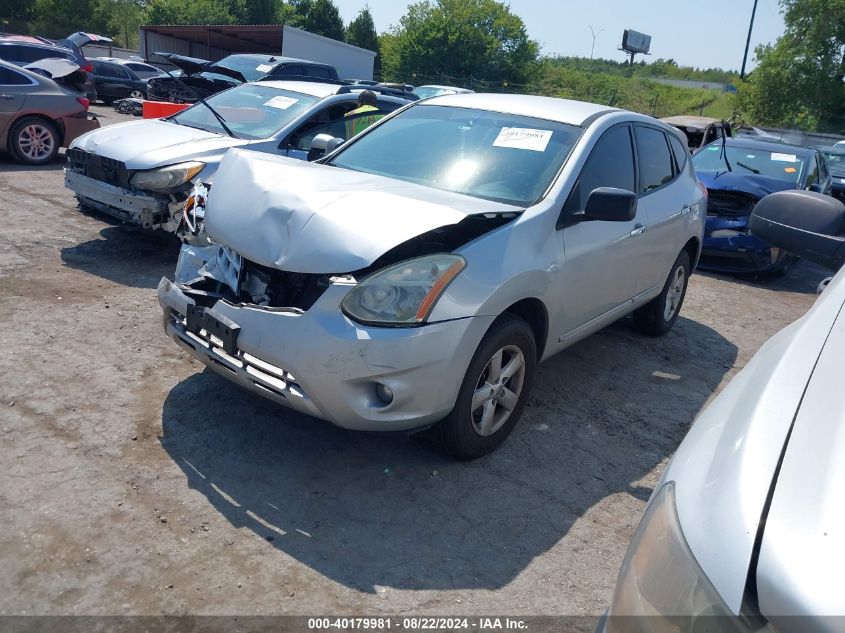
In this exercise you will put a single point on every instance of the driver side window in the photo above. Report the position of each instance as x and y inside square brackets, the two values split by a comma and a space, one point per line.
[327, 121]
[610, 164]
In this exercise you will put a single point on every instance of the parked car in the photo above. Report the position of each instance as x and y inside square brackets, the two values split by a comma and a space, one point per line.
[743, 530]
[737, 174]
[417, 274]
[836, 163]
[114, 80]
[141, 171]
[205, 78]
[699, 130]
[38, 116]
[424, 92]
[21, 50]
[136, 65]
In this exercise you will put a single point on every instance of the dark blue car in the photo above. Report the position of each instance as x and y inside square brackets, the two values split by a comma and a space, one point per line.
[737, 174]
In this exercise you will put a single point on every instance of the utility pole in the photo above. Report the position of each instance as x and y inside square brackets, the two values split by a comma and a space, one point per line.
[748, 41]
[593, 47]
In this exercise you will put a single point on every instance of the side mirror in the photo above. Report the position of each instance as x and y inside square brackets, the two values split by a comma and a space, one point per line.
[323, 144]
[816, 187]
[808, 224]
[611, 205]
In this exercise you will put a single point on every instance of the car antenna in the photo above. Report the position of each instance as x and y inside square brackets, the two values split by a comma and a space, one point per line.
[199, 98]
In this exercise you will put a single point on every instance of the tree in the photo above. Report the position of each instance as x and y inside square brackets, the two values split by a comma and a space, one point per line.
[15, 15]
[465, 40]
[317, 16]
[259, 12]
[799, 79]
[60, 18]
[189, 12]
[123, 17]
[362, 32]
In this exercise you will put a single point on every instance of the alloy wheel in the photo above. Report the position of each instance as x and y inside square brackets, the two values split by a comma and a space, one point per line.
[497, 390]
[675, 293]
[36, 142]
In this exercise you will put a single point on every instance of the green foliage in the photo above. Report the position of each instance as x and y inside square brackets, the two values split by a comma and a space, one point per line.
[317, 16]
[667, 68]
[122, 18]
[799, 79]
[362, 32]
[259, 12]
[191, 12]
[15, 15]
[60, 18]
[470, 38]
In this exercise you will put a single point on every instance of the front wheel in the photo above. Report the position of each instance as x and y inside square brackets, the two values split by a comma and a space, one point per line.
[137, 94]
[494, 390]
[659, 315]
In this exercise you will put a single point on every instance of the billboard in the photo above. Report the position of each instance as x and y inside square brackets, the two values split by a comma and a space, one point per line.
[635, 42]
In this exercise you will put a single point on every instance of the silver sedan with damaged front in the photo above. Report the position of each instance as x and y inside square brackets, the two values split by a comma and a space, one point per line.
[416, 275]
[142, 171]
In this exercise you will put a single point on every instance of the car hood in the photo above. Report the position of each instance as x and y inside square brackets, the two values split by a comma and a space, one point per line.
[312, 218]
[803, 548]
[154, 142]
[754, 184]
[724, 469]
[838, 172]
[195, 66]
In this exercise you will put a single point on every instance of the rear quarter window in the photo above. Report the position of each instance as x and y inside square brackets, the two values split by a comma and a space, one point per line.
[680, 151]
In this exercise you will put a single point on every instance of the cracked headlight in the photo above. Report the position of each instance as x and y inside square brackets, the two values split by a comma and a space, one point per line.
[661, 588]
[405, 293]
[165, 179]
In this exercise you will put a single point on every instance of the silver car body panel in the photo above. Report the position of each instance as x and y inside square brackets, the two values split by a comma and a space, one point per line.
[803, 548]
[332, 220]
[585, 276]
[724, 469]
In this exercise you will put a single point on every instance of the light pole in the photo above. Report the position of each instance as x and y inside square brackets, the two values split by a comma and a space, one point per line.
[748, 41]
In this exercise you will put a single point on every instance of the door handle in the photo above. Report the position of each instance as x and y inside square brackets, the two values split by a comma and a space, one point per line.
[639, 228]
[685, 210]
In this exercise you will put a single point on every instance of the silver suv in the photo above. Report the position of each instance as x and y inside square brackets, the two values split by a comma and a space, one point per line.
[416, 275]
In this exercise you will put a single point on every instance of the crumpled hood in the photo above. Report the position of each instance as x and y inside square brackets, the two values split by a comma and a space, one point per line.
[153, 143]
[306, 217]
[757, 185]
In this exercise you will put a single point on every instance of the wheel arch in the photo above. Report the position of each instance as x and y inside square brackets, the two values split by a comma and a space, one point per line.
[56, 123]
[693, 249]
[534, 312]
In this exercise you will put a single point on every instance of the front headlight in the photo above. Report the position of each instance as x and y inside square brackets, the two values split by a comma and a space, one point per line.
[403, 294]
[167, 178]
[661, 588]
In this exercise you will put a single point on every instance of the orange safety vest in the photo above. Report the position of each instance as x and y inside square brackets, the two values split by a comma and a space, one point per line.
[355, 123]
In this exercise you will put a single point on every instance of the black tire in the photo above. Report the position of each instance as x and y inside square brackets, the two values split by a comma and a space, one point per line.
[652, 318]
[20, 139]
[459, 431]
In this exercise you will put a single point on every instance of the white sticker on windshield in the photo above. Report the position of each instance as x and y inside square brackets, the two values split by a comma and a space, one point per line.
[263, 68]
[785, 158]
[280, 102]
[523, 138]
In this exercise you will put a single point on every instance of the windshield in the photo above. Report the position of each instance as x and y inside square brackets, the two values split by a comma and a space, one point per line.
[836, 160]
[251, 69]
[431, 91]
[251, 111]
[502, 157]
[784, 165]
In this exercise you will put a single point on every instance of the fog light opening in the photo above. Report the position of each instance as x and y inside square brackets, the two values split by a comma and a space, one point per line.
[384, 393]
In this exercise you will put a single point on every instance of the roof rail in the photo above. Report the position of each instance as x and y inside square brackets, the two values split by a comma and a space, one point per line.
[318, 80]
[384, 90]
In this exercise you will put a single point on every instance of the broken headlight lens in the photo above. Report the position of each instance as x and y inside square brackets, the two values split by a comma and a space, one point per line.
[405, 293]
[167, 178]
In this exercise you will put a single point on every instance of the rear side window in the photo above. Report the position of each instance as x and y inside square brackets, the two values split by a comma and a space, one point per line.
[289, 71]
[680, 151]
[317, 71]
[11, 78]
[611, 164]
[653, 158]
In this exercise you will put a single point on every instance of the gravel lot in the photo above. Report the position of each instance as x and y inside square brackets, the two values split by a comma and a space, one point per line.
[135, 482]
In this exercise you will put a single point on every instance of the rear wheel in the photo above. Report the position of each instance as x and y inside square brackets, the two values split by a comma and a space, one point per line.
[494, 390]
[137, 94]
[659, 315]
[34, 141]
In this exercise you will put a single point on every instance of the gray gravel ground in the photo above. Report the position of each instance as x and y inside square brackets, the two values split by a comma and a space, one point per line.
[134, 482]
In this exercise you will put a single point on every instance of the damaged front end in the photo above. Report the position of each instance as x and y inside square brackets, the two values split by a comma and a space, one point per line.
[728, 245]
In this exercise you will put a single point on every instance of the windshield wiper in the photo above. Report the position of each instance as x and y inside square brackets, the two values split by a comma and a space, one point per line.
[748, 167]
[202, 101]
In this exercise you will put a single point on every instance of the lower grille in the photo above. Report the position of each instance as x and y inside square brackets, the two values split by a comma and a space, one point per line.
[100, 168]
[730, 203]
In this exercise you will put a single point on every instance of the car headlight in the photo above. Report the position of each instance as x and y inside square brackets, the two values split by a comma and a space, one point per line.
[405, 293]
[661, 588]
[167, 178]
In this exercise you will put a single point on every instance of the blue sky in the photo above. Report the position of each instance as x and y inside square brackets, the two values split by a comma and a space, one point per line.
[694, 33]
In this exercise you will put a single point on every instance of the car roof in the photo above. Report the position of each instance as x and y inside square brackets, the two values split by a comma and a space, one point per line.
[767, 145]
[43, 45]
[313, 88]
[274, 59]
[698, 122]
[550, 108]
